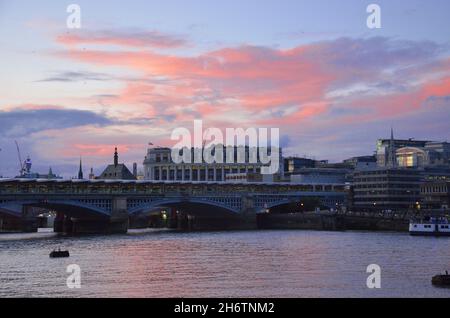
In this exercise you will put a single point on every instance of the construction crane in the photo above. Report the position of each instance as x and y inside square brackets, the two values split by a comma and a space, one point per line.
[21, 163]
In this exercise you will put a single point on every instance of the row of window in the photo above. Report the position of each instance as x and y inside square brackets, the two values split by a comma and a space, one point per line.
[384, 200]
[434, 189]
[178, 175]
[428, 226]
[389, 179]
[387, 192]
[384, 172]
[387, 186]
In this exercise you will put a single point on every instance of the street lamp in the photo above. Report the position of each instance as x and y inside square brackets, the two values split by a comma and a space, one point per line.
[418, 205]
[302, 207]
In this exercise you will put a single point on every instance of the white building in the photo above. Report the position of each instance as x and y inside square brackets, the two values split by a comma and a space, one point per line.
[158, 165]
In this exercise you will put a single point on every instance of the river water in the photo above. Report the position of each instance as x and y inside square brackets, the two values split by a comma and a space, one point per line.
[156, 263]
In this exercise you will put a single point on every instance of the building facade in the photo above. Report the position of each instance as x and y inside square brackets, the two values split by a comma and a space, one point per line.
[387, 148]
[410, 153]
[293, 164]
[432, 154]
[361, 162]
[159, 166]
[320, 176]
[386, 188]
[435, 194]
[116, 171]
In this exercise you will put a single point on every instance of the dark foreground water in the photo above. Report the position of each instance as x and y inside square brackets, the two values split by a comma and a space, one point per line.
[224, 264]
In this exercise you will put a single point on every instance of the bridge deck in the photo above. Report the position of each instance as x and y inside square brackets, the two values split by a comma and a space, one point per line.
[153, 182]
[24, 185]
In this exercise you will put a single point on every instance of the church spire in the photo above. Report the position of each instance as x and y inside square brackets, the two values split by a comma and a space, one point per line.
[80, 171]
[116, 158]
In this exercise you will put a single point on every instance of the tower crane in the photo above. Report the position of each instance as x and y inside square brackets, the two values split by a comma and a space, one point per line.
[21, 163]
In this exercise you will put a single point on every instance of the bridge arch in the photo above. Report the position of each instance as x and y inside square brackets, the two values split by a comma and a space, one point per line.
[324, 200]
[72, 207]
[137, 209]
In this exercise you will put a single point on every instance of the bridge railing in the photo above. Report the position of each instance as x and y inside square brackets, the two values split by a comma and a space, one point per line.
[14, 186]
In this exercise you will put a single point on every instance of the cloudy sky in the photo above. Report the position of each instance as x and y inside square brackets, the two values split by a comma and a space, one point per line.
[133, 72]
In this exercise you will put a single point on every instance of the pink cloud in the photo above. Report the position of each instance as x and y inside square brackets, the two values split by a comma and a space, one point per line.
[94, 150]
[288, 88]
[24, 107]
[395, 105]
[129, 38]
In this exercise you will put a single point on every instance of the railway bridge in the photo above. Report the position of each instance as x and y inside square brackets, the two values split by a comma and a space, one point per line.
[106, 206]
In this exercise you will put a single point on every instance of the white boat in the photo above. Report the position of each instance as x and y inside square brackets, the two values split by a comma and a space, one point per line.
[430, 227]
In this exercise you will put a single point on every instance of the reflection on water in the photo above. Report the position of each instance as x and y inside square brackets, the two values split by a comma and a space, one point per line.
[223, 264]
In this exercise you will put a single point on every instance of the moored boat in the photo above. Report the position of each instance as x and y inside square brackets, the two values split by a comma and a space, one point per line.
[430, 227]
[59, 254]
[441, 280]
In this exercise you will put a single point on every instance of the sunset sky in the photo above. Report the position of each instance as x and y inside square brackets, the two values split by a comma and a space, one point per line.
[138, 69]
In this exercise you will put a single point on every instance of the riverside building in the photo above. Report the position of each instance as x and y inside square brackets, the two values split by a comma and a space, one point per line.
[116, 171]
[386, 188]
[435, 193]
[159, 166]
[411, 153]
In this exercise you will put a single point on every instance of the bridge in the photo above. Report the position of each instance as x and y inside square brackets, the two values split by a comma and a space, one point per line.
[93, 206]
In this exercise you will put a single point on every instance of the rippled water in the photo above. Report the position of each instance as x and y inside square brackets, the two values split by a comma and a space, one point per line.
[224, 264]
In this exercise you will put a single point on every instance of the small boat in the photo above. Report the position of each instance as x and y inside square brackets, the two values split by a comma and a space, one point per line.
[430, 227]
[441, 280]
[59, 254]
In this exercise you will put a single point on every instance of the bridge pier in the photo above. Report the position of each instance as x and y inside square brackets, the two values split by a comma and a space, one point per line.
[63, 223]
[192, 222]
[58, 224]
[118, 222]
[29, 223]
[73, 225]
[96, 226]
[10, 224]
[19, 218]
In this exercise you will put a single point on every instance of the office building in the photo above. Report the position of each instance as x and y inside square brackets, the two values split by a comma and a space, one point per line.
[386, 188]
[293, 164]
[435, 194]
[361, 162]
[320, 176]
[158, 165]
[386, 149]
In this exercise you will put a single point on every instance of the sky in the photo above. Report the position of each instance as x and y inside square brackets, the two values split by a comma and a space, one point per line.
[136, 70]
